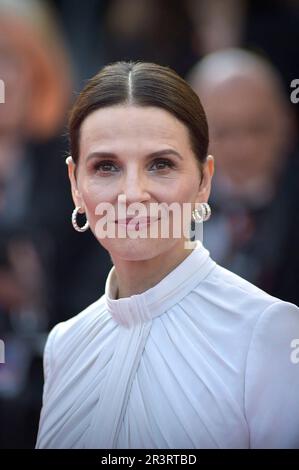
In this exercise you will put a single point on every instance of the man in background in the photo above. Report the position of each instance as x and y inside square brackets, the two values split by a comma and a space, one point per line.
[255, 225]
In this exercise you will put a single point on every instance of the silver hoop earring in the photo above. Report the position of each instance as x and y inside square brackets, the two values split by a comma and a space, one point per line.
[74, 221]
[202, 213]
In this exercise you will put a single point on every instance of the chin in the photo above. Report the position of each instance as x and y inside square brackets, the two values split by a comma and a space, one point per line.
[138, 249]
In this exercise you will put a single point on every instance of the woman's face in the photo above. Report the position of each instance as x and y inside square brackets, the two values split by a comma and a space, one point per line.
[142, 154]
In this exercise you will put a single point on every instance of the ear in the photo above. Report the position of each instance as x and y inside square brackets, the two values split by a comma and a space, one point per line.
[207, 175]
[73, 180]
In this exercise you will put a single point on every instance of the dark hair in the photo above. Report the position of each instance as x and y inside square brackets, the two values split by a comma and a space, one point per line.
[141, 84]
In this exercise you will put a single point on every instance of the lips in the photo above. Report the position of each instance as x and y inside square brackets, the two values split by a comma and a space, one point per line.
[139, 221]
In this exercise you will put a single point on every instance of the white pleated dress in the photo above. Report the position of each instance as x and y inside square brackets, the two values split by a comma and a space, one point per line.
[201, 360]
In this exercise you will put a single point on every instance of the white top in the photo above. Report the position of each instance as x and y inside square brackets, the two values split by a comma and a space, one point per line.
[201, 360]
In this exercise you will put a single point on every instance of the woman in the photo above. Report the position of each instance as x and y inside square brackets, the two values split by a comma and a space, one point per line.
[178, 352]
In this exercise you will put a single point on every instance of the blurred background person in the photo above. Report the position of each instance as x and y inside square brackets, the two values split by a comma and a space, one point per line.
[255, 193]
[221, 24]
[36, 77]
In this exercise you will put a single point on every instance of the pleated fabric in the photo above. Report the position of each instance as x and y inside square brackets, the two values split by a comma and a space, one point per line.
[201, 360]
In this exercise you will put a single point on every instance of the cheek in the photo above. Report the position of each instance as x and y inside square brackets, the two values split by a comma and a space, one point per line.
[185, 189]
[93, 194]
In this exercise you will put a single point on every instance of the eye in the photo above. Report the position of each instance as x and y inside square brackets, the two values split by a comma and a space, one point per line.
[162, 164]
[105, 167]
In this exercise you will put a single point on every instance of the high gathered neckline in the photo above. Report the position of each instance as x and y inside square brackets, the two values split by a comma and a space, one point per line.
[143, 307]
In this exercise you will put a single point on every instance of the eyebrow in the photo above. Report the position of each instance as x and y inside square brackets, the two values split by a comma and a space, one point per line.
[158, 153]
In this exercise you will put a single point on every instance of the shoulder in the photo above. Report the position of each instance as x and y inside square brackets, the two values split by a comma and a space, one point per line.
[231, 300]
[94, 311]
[271, 374]
[273, 335]
[272, 378]
[233, 293]
[230, 280]
[72, 331]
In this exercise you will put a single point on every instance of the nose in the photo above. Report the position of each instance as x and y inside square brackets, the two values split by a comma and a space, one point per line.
[135, 187]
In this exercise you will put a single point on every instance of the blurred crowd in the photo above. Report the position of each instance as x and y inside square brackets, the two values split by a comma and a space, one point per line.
[239, 56]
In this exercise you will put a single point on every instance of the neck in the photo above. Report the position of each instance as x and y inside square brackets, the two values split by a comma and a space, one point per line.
[135, 277]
